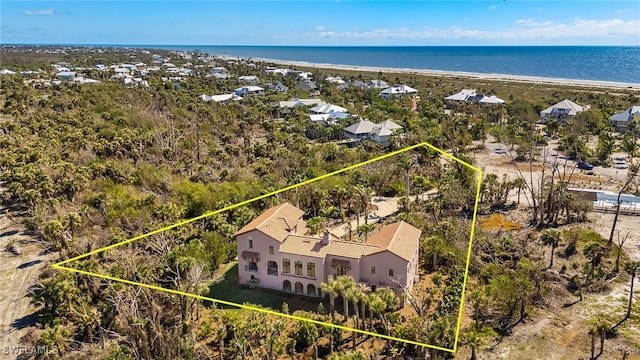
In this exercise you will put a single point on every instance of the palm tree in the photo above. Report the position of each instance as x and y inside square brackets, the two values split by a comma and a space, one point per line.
[364, 291]
[345, 284]
[594, 251]
[354, 295]
[632, 268]
[551, 237]
[72, 221]
[363, 198]
[331, 288]
[366, 229]
[376, 307]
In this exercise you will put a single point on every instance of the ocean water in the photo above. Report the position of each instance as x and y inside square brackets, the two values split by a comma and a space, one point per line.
[602, 63]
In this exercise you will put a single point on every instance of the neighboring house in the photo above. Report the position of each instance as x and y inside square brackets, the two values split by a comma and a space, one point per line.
[622, 120]
[562, 110]
[220, 98]
[471, 95]
[377, 84]
[307, 85]
[249, 90]
[464, 95]
[219, 73]
[251, 79]
[276, 86]
[286, 106]
[66, 75]
[397, 91]
[7, 72]
[327, 108]
[277, 251]
[491, 100]
[365, 129]
[335, 80]
[328, 119]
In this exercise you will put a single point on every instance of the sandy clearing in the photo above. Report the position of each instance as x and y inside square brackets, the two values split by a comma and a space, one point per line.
[17, 275]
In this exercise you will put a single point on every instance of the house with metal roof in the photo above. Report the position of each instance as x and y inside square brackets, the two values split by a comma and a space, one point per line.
[471, 95]
[621, 120]
[327, 108]
[277, 251]
[397, 91]
[563, 110]
[365, 129]
[249, 90]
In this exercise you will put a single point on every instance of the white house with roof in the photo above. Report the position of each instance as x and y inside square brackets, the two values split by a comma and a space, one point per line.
[377, 84]
[464, 95]
[562, 110]
[365, 129]
[328, 119]
[221, 98]
[277, 251]
[491, 100]
[251, 79]
[327, 108]
[249, 90]
[470, 95]
[621, 120]
[397, 91]
[335, 80]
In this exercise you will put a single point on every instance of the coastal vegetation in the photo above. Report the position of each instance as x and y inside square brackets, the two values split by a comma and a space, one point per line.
[89, 165]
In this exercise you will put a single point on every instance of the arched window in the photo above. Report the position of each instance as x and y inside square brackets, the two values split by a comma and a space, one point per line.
[270, 249]
[250, 243]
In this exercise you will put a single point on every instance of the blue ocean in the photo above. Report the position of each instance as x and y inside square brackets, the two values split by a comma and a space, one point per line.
[602, 63]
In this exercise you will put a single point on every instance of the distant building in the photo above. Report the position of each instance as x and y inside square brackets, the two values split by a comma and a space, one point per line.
[565, 109]
[621, 120]
[470, 95]
[397, 91]
[307, 85]
[377, 84]
[220, 98]
[251, 79]
[365, 129]
[249, 90]
[277, 251]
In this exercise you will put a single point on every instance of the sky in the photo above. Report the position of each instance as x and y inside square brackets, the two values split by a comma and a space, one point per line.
[321, 23]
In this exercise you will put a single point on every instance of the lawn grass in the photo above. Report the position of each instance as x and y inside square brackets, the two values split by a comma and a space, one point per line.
[229, 289]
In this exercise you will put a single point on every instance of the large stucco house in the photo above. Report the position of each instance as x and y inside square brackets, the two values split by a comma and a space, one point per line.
[277, 250]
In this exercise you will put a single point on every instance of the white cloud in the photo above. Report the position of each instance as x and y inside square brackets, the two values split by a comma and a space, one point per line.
[492, 7]
[39, 12]
[320, 28]
[522, 30]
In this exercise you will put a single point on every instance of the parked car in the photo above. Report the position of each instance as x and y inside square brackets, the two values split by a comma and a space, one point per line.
[584, 166]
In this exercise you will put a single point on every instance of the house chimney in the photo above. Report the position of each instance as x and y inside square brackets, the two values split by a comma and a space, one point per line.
[326, 237]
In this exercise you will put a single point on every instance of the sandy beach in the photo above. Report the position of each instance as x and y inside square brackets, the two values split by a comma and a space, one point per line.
[635, 87]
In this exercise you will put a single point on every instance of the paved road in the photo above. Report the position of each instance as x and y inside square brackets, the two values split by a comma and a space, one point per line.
[387, 206]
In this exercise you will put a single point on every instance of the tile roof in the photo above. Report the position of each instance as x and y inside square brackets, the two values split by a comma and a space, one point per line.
[313, 247]
[284, 224]
[277, 222]
[399, 238]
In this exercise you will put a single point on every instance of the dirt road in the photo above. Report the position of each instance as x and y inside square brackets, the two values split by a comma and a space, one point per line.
[17, 274]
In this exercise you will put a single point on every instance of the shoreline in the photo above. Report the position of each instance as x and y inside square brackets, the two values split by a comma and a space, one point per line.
[635, 87]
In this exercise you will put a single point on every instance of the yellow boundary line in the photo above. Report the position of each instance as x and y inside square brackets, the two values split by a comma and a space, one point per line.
[60, 265]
